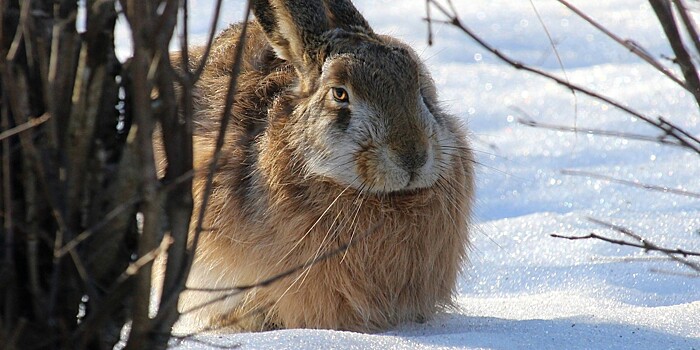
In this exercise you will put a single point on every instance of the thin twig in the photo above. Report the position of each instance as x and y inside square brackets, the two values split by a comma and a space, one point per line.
[635, 183]
[644, 246]
[210, 39]
[670, 127]
[648, 245]
[630, 259]
[18, 102]
[147, 258]
[632, 46]
[31, 123]
[600, 132]
[25, 9]
[556, 54]
[429, 20]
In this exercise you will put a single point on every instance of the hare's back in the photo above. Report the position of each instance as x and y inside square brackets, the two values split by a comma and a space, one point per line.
[262, 77]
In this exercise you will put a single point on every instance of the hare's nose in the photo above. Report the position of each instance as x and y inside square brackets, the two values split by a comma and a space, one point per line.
[410, 151]
[412, 159]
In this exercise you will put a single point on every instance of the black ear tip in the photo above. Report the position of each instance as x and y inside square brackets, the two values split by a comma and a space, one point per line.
[264, 14]
[345, 15]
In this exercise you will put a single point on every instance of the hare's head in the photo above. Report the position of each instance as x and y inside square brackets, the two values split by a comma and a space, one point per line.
[366, 113]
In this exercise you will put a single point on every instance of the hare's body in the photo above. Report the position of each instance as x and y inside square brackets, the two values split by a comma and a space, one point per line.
[279, 201]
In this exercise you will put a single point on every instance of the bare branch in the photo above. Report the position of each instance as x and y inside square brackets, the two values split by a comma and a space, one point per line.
[664, 13]
[632, 46]
[31, 123]
[662, 139]
[551, 42]
[648, 245]
[630, 259]
[210, 39]
[12, 341]
[689, 24]
[429, 19]
[634, 183]
[19, 34]
[672, 128]
[114, 213]
[147, 258]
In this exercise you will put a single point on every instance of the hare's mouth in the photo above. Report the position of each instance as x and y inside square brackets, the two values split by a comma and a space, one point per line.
[410, 189]
[408, 193]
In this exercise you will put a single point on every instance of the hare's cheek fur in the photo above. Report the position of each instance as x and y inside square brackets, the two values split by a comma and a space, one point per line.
[364, 154]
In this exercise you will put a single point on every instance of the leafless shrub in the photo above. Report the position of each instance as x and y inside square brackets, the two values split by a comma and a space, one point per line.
[78, 165]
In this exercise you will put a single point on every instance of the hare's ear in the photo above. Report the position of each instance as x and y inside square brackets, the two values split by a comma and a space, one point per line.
[343, 14]
[294, 29]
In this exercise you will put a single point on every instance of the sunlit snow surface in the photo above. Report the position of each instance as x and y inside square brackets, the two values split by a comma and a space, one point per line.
[523, 288]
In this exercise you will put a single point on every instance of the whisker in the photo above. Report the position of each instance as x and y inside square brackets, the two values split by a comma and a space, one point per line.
[449, 188]
[473, 150]
[480, 164]
[301, 277]
[306, 234]
[353, 223]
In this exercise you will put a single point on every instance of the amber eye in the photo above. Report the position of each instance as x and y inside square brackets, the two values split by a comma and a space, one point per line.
[340, 95]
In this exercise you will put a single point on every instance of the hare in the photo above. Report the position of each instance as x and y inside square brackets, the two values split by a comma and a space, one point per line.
[337, 137]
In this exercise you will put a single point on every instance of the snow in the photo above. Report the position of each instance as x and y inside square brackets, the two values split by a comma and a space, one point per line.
[523, 289]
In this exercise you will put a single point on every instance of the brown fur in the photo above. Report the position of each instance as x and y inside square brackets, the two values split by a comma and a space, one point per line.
[267, 214]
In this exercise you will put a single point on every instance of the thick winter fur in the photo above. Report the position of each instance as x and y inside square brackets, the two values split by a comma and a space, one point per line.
[302, 174]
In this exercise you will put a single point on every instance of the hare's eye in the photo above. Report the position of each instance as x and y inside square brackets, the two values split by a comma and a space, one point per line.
[340, 95]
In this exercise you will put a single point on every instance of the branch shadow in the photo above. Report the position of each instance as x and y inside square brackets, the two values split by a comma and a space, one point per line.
[463, 331]
[457, 331]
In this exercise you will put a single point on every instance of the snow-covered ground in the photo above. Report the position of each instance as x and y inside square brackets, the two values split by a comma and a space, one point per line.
[524, 289]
